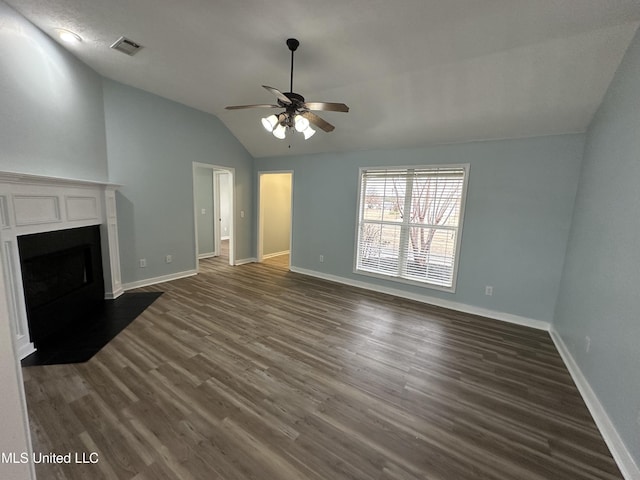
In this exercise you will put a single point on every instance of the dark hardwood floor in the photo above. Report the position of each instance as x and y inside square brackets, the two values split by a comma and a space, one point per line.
[254, 372]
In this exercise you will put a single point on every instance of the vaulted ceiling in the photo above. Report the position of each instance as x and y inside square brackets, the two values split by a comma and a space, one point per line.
[413, 72]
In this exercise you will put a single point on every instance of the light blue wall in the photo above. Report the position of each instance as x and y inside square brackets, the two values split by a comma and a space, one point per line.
[152, 143]
[517, 220]
[204, 202]
[599, 294]
[52, 120]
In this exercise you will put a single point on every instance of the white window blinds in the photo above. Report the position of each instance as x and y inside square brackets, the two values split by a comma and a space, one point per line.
[410, 223]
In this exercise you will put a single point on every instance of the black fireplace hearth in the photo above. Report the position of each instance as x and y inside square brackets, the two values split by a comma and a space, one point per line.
[82, 339]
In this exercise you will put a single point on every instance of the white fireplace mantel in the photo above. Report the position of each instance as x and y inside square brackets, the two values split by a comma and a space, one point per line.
[36, 204]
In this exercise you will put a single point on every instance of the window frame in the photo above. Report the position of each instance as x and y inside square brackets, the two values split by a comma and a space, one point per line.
[396, 278]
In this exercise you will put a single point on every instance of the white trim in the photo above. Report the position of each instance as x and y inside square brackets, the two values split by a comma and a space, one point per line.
[195, 214]
[215, 193]
[33, 179]
[460, 307]
[110, 246]
[25, 350]
[406, 281]
[113, 295]
[619, 451]
[277, 254]
[32, 204]
[232, 207]
[206, 255]
[226, 237]
[14, 353]
[161, 279]
[244, 261]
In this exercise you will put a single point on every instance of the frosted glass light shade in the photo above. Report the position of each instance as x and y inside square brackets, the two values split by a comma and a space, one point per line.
[280, 132]
[301, 123]
[308, 133]
[269, 122]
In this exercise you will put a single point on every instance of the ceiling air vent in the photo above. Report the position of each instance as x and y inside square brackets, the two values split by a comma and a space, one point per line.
[127, 46]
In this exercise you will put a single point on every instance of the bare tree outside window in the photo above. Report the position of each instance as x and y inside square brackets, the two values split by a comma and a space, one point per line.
[409, 223]
[433, 201]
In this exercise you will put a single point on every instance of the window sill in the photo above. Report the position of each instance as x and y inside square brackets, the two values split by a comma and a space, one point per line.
[406, 281]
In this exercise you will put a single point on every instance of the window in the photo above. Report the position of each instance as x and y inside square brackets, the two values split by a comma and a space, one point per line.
[410, 223]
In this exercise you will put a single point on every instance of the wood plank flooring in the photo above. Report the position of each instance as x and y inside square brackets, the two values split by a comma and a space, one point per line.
[254, 372]
[278, 261]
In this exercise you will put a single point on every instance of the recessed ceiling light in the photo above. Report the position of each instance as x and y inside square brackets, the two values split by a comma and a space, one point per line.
[68, 36]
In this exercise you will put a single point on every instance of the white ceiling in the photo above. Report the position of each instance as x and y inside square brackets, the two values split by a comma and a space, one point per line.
[413, 72]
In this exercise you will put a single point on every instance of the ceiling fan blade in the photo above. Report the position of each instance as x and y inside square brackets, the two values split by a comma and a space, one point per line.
[318, 122]
[281, 96]
[327, 106]
[262, 105]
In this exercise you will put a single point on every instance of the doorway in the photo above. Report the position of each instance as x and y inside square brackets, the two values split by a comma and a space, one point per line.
[274, 217]
[213, 201]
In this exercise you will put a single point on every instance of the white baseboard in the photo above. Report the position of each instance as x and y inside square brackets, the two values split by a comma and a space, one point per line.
[113, 295]
[206, 255]
[244, 261]
[618, 449]
[225, 238]
[164, 278]
[460, 307]
[277, 254]
[25, 350]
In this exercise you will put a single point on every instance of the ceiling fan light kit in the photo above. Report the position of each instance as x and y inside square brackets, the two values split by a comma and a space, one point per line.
[269, 123]
[301, 123]
[308, 133]
[297, 115]
[279, 125]
[280, 131]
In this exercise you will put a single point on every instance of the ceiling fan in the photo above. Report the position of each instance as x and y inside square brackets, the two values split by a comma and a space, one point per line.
[297, 112]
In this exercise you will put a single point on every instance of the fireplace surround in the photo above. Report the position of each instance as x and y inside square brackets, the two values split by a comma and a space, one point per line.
[33, 204]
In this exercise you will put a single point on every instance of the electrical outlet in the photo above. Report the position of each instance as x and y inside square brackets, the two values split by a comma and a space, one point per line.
[638, 418]
[587, 344]
[143, 262]
[168, 259]
[241, 213]
[321, 258]
[203, 211]
[488, 290]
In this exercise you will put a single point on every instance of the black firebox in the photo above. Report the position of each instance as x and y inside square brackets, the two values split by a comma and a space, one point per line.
[62, 279]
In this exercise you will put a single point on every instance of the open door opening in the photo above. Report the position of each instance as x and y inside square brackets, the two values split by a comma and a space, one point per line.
[213, 200]
[274, 218]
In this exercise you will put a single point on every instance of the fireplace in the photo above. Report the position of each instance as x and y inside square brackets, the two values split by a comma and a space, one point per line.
[58, 270]
[62, 279]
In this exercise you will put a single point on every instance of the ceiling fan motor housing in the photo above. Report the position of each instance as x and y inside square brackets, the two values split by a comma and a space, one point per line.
[296, 100]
